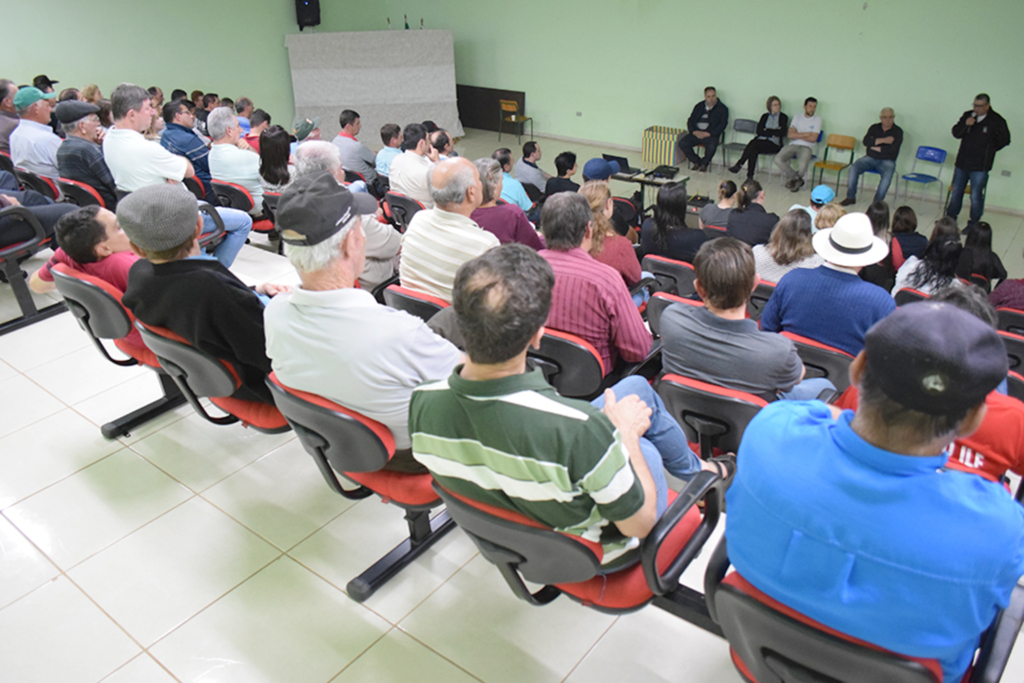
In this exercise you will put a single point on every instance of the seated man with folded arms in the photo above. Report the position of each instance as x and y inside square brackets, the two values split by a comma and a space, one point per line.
[175, 285]
[136, 163]
[853, 520]
[590, 298]
[593, 470]
[391, 136]
[382, 241]
[718, 344]
[441, 239]
[384, 354]
[229, 161]
[409, 170]
[830, 303]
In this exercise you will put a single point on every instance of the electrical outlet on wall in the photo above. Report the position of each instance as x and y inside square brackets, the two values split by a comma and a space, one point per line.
[1005, 174]
[579, 113]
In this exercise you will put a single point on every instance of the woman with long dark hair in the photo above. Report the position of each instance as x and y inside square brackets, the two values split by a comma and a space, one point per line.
[937, 266]
[275, 150]
[772, 127]
[882, 273]
[978, 259]
[666, 233]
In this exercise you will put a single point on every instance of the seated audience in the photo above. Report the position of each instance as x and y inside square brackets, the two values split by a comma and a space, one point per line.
[227, 102]
[91, 94]
[979, 259]
[355, 156]
[33, 143]
[174, 286]
[385, 354]
[441, 239]
[625, 219]
[718, 344]
[305, 130]
[749, 222]
[590, 299]
[853, 520]
[565, 166]
[409, 170]
[382, 241]
[704, 128]
[243, 110]
[258, 122]
[882, 143]
[46, 211]
[941, 255]
[904, 231]
[717, 215]
[210, 102]
[820, 196]
[507, 222]
[69, 95]
[511, 189]
[275, 171]
[882, 273]
[771, 129]
[830, 303]
[136, 163]
[391, 136]
[156, 97]
[8, 114]
[828, 215]
[804, 131]
[591, 470]
[666, 232]
[180, 138]
[606, 245]
[442, 142]
[527, 171]
[176, 94]
[1008, 294]
[228, 161]
[790, 247]
[80, 156]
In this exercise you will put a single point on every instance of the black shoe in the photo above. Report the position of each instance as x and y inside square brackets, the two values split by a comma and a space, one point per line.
[694, 165]
[735, 169]
[797, 184]
[789, 183]
[848, 202]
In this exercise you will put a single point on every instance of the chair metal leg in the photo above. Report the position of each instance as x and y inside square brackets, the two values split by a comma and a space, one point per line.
[689, 605]
[171, 399]
[16, 277]
[423, 533]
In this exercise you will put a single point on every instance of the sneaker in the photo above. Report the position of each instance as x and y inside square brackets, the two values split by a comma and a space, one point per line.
[797, 184]
[848, 202]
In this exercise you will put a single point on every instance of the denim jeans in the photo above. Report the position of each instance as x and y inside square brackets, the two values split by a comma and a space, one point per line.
[885, 167]
[664, 444]
[956, 196]
[237, 225]
[807, 390]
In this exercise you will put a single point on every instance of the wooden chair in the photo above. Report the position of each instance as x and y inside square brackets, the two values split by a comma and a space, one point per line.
[509, 113]
[840, 143]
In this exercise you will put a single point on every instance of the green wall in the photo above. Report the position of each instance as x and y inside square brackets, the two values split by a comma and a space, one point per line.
[624, 64]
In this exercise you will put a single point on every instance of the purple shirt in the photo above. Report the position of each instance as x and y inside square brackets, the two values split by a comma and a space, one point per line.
[508, 223]
[591, 301]
[1010, 294]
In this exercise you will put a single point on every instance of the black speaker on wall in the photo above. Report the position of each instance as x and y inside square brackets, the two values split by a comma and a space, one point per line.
[307, 13]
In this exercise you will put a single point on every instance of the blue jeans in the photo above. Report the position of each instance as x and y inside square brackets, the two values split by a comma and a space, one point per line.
[956, 196]
[885, 167]
[237, 225]
[807, 390]
[663, 444]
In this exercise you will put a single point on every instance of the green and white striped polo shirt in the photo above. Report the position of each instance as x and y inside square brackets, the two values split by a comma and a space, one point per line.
[515, 443]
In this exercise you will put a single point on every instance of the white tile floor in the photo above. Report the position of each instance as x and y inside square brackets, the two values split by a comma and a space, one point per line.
[190, 552]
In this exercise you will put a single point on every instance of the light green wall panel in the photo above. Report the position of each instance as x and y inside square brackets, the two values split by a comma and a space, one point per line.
[623, 64]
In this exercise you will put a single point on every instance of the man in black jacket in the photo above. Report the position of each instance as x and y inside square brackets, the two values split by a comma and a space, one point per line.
[706, 124]
[176, 286]
[982, 132]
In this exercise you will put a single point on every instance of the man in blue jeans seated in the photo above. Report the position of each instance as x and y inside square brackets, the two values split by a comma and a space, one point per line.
[882, 142]
[496, 433]
[853, 520]
[717, 343]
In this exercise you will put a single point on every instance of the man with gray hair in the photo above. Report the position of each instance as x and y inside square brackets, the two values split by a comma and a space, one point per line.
[79, 157]
[175, 286]
[136, 163]
[382, 241]
[441, 239]
[386, 354]
[882, 143]
[244, 109]
[231, 160]
[33, 143]
[8, 117]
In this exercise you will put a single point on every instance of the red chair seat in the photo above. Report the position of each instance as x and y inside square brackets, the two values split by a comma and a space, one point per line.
[263, 225]
[133, 346]
[262, 415]
[403, 488]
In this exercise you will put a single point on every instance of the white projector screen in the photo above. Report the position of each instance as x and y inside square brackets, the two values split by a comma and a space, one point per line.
[398, 77]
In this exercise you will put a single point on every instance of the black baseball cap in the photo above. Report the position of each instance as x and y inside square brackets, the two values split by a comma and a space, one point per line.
[314, 207]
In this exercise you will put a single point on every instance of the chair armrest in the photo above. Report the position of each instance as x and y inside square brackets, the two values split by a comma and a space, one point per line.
[22, 213]
[717, 567]
[649, 367]
[995, 650]
[218, 232]
[705, 486]
[648, 283]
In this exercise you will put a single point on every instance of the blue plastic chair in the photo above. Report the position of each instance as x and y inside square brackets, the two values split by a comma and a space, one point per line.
[932, 155]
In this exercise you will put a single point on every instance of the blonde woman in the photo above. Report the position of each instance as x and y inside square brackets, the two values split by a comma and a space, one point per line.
[828, 215]
[91, 94]
[606, 245]
[789, 247]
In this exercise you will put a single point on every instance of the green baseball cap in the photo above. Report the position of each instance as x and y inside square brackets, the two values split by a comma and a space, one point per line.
[26, 97]
[303, 127]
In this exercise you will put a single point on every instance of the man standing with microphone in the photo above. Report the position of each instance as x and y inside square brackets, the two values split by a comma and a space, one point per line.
[982, 132]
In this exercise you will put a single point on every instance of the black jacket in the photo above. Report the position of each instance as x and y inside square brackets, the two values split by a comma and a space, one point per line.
[781, 132]
[752, 225]
[718, 118]
[980, 142]
[203, 302]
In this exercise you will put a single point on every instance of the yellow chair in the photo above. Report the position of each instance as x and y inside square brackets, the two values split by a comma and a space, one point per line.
[509, 113]
[840, 143]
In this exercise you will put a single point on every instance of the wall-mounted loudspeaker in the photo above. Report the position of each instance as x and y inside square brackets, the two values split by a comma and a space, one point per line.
[307, 13]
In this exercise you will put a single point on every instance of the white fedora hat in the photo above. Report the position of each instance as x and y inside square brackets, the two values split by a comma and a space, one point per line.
[850, 243]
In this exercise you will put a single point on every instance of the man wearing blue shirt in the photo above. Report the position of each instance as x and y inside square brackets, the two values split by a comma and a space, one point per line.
[512, 190]
[180, 138]
[853, 521]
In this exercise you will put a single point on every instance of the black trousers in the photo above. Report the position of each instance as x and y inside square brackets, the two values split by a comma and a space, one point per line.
[687, 142]
[13, 230]
[754, 148]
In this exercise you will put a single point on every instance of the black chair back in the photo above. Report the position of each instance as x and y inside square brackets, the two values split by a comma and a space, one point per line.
[6, 163]
[270, 200]
[353, 176]
[570, 364]
[232, 195]
[709, 414]
[216, 236]
[402, 208]
[203, 374]
[675, 277]
[193, 185]
[97, 312]
[421, 305]
[1015, 385]
[759, 299]
[822, 360]
[80, 193]
[657, 304]
[909, 296]
[31, 181]
[1011, 320]
[1014, 349]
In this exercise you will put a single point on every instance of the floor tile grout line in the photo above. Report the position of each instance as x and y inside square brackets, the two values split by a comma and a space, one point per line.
[592, 647]
[61, 479]
[365, 650]
[445, 658]
[437, 588]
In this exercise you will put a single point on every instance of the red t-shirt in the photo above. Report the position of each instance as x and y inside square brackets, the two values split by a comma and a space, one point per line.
[618, 253]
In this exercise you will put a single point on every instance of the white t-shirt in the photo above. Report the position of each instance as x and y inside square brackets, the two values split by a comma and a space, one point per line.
[409, 177]
[239, 166]
[136, 162]
[805, 124]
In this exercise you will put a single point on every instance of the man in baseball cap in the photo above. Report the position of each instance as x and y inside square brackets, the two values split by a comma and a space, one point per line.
[329, 337]
[852, 519]
[33, 143]
[820, 196]
[830, 303]
[175, 285]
